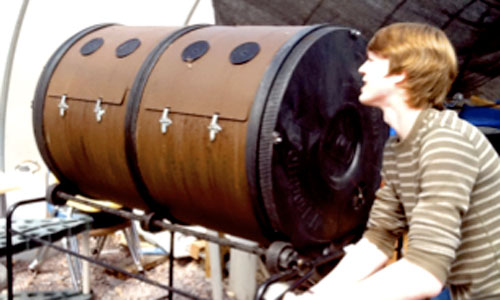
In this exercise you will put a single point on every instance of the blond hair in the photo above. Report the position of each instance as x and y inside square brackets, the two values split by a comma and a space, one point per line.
[425, 54]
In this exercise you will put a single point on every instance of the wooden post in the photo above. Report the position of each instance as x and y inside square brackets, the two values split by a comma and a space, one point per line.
[242, 272]
[215, 270]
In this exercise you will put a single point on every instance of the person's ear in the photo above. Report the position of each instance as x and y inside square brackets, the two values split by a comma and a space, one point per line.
[399, 78]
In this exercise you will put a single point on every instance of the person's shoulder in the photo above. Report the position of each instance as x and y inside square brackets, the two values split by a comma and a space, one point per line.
[440, 118]
[444, 121]
[445, 126]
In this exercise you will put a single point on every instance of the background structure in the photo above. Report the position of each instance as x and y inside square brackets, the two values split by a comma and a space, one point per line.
[46, 25]
[472, 26]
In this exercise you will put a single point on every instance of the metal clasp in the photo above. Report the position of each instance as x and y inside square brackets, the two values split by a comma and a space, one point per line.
[99, 111]
[355, 33]
[277, 138]
[165, 120]
[63, 106]
[358, 201]
[214, 128]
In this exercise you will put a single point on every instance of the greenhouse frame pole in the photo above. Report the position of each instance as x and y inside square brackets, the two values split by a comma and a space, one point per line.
[5, 94]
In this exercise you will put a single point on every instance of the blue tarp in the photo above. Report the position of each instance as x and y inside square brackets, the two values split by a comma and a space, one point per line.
[481, 116]
[476, 115]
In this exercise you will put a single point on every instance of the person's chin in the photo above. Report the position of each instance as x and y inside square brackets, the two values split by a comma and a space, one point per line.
[363, 99]
[368, 102]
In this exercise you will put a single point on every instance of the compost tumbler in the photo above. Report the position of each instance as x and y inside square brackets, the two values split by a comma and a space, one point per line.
[255, 131]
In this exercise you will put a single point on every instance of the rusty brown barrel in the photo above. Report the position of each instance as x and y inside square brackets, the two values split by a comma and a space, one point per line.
[80, 107]
[250, 130]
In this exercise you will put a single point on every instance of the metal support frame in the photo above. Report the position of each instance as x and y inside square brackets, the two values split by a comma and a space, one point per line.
[171, 264]
[8, 233]
[299, 269]
[165, 226]
[85, 258]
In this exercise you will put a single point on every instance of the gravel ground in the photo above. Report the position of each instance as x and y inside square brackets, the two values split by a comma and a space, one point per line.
[189, 276]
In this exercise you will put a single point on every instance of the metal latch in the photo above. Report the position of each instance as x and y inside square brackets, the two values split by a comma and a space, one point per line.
[277, 137]
[165, 120]
[214, 128]
[63, 106]
[355, 33]
[358, 201]
[99, 111]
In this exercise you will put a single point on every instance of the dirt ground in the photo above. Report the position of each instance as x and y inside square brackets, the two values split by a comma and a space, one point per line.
[189, 276]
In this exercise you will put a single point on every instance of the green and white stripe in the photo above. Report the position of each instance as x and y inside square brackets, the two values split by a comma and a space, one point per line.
[442, 185]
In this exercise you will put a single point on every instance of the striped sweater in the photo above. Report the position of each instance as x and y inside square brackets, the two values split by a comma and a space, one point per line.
[442, 186]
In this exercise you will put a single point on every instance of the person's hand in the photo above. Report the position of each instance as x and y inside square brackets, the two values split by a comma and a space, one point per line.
[277, 289]
[291, 296]
[304, 296]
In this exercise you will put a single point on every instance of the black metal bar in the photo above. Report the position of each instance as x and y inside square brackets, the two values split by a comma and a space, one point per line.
[111, 267]
[171, 227]
[171, 264]
[311, 265]
[321, 260]
[297, 283]
[8, 232]
[262, 289]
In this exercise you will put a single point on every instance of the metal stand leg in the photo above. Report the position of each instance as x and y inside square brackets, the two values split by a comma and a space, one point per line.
[36, 264]
[134, 234]
[10, 277]
[171, 266]
[85, 263]
[133, 246]
[41, 254]
[73, 244]
[74, 264]
[100, 241]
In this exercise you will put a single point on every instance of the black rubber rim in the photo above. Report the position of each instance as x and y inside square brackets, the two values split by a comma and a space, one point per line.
[269, 120]
[133, 105]
[255, 124]
[301, 205]
[40, 95]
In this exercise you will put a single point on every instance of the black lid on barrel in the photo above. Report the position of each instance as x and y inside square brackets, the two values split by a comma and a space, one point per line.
[318, 149]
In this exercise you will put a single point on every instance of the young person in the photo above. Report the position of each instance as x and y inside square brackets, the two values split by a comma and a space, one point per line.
[442, 183]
